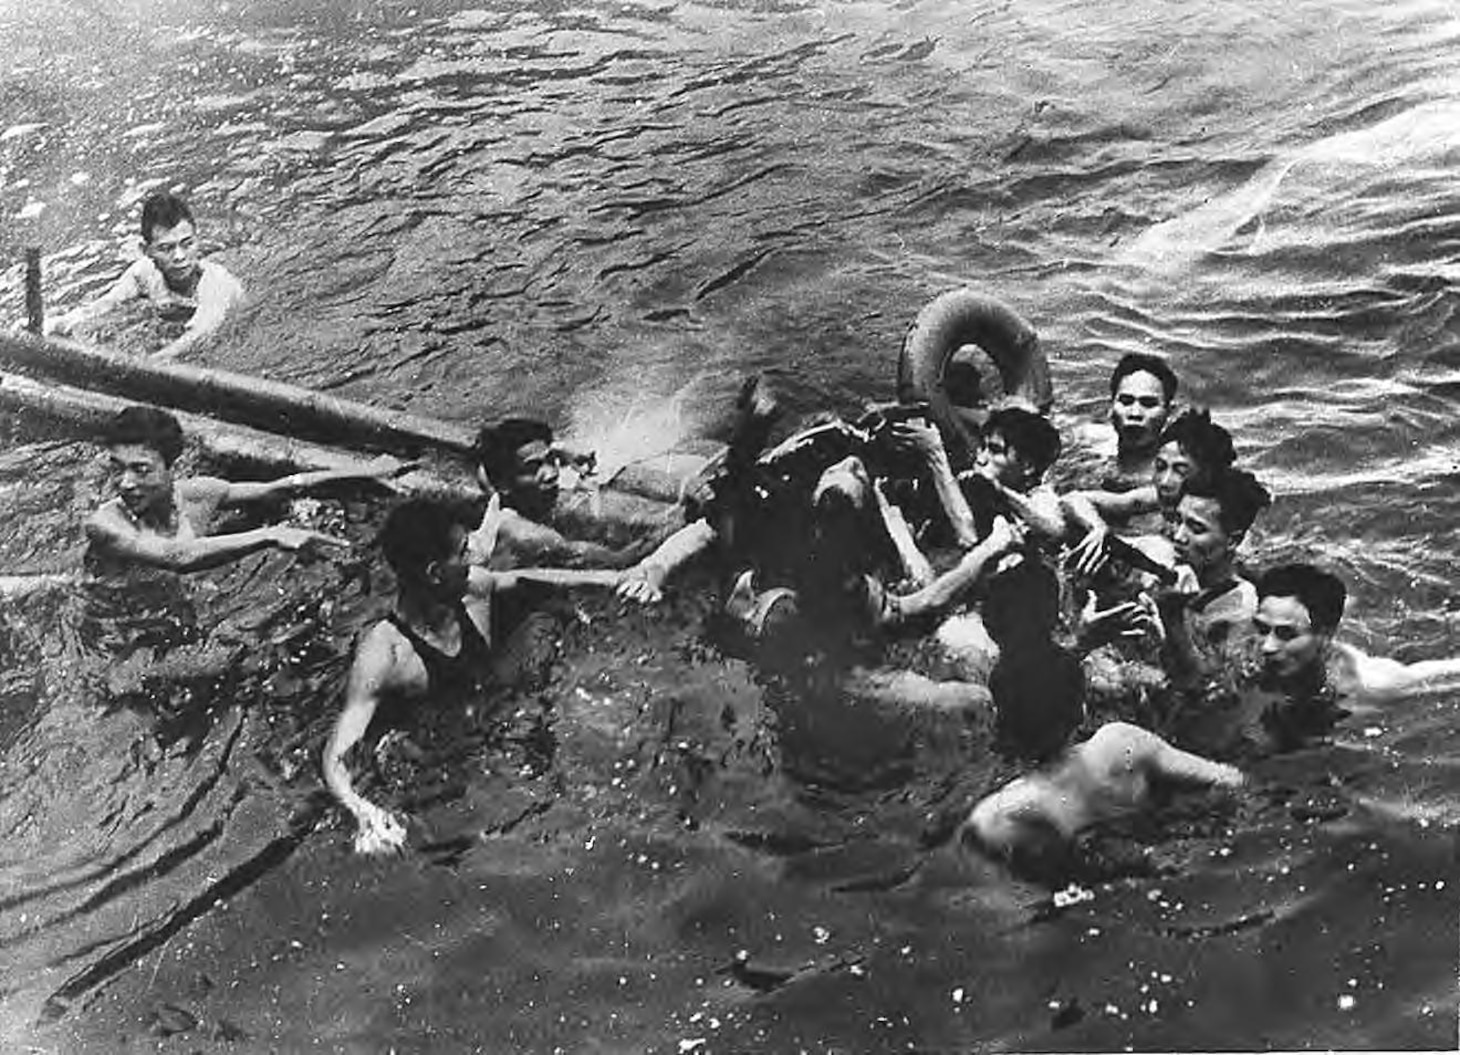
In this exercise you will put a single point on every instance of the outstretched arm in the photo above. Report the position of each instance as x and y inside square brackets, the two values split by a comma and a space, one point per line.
[378, 668]
[382, 468]
[483, 583]
[107, 530]
[125, 288]
[644, 582]
[1377, 679]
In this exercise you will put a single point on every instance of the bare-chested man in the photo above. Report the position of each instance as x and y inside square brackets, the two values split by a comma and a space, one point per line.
[162, 520]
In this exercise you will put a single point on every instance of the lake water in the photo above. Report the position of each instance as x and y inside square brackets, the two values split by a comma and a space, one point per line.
[607, 213]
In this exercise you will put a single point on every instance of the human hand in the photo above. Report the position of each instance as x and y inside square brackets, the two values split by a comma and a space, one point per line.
[387, 467]
[60, 325]
[643, 583]
[1129, 620]
[379, 832]
[917, 436]
[1088, 556]
[1003, 536]
[294, 539]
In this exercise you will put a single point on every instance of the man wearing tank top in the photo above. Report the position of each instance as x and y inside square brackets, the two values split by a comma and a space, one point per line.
[438, 642]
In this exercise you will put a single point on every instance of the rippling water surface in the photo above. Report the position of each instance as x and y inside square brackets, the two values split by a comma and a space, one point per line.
[609, 212]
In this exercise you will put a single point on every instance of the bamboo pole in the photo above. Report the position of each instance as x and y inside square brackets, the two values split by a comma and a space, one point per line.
[226, 396]
[90, 412]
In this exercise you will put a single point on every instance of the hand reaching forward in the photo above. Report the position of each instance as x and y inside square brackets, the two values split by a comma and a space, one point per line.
[295, 539]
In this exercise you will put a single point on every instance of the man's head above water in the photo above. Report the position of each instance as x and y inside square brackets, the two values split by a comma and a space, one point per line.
[514, 456]
[424, 542]
[1298, 609]
[169, 237]
[1142, 390]
[143, 443]
[1213, 517]
[1018, 447]
[1192, 449]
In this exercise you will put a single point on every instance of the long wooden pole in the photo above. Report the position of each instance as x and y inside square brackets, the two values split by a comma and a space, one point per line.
[226, 396]
[90, 412]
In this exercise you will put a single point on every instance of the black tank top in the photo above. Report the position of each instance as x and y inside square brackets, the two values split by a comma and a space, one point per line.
[462, 672]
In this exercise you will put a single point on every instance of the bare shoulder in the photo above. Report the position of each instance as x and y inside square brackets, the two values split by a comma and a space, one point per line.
[220, 278]
[517, 527]
[386, 661]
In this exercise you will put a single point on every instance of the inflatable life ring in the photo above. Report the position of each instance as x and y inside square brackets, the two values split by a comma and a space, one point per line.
[957, 318]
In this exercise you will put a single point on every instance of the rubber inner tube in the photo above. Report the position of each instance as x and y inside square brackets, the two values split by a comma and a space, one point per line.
[961, 317]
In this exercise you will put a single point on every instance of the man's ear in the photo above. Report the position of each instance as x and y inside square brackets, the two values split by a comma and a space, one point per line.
[1234, 538]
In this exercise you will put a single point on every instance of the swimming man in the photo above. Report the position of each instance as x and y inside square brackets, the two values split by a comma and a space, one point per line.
[172, 275]
[161, 520]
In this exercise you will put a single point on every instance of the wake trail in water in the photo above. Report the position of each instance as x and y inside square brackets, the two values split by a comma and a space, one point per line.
[1425, 131]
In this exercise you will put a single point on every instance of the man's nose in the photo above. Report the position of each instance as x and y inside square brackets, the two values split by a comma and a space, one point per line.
[1270, 644]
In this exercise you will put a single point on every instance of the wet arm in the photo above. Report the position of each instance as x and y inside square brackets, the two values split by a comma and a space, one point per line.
[1144, 749]
[941, 592]
[181, 555]
[928, 442]
[234, 493]
[1117, 505]
[1381, 680]
[377, 669]
[125, 288]
[915, 564]
[484, 583]
[645, 580]
[217, 294]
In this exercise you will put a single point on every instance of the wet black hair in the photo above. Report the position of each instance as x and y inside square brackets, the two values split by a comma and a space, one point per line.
[497, 445]
[146, 427]
[1238, 494]
[1022, 601]
[1029, 435]
[1144, 363]
[1318, 590]
[1206, 442]
[163, 210]
[417, 532]
[1038, 686]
